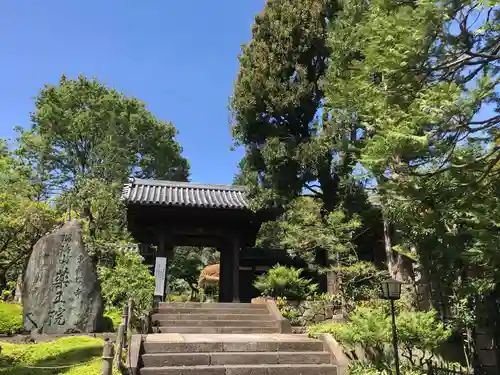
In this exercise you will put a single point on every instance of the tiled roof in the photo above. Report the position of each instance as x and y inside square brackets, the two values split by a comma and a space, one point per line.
[173, 193]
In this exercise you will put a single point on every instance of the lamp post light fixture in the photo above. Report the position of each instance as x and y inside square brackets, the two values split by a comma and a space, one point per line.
[391, 290]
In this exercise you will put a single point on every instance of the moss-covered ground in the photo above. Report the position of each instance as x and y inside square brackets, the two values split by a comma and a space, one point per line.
[77, 355]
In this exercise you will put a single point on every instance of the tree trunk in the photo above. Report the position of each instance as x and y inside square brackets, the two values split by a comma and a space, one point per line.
[3, 280]
[393, 259]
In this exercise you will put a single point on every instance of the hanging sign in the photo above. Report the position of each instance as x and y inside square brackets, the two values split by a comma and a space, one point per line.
[160, 272]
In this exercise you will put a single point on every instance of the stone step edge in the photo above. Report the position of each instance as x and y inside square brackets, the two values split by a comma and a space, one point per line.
[160, 321]
[233, 347]
[223, 321]
[218, 310]
[241, 354]
[284, 365]
[215, 304]
[216, 313]
[223, 327]
[212, 315]
[216, 330]
[177, 312]
[187, 354]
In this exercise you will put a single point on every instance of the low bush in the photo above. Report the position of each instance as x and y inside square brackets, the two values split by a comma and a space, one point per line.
[113, 316]
[11, 318]
[8, 293]
[128, 279]
[285, 282]
[419, 335]
[360, 368]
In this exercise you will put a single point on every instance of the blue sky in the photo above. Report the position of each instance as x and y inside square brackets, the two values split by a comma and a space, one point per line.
[179, 57]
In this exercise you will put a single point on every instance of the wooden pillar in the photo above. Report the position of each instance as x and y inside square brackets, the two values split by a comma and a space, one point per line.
[235, 269]
[225, 274]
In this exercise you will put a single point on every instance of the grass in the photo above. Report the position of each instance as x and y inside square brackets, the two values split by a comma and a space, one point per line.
[11, 318]
[81, 353]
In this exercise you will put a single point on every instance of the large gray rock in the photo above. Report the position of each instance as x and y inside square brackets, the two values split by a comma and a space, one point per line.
[61, 292]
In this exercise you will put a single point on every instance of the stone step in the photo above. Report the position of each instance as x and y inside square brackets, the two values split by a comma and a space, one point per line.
[243, 370]
[213, 305]
[209, 310]
[212, 317]
[231, 358]
[218, 323]
[225, 329]
[215, 343]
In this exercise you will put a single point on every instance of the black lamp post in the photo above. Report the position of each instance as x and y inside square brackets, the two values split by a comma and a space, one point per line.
[391, 290]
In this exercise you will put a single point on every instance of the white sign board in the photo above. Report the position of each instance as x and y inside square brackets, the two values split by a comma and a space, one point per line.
[160, 271]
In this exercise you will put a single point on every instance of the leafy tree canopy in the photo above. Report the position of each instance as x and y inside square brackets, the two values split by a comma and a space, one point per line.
[23, 217]
[82, 129]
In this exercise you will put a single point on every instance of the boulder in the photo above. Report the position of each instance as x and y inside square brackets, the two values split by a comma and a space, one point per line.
[61, 292]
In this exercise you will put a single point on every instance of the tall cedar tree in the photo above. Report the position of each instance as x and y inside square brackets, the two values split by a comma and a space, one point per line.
[293, 143]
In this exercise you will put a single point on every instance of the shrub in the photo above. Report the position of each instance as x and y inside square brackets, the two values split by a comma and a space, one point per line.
[361, 368]
[113, 316]
[128, 279]
[419, 334]
[281, 281]
[358, 368]
[8, 293]
[368, 328]
[11, 318]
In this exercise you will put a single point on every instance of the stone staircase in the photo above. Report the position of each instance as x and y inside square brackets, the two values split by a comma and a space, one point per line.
[234, 354]
[214, 318]
[227, 339]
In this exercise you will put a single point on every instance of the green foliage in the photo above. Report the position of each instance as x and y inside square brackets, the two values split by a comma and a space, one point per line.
[419, 334]
[294, 146]
[281, 281]
[85, 142]
[304, 313]
[424, 94]
[82, 129]
[304, 228]
[178, 298]
[288, 312]
[367, 327]
[8, 292]
[359, 280]
[113, 316]
[187, 264]
[276, 96]
[11, 318]
[361, 368]
[72, 351]
[128, 279]
[23, 219]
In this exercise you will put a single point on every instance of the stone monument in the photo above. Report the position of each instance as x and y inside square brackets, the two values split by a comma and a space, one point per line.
[61, 292]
